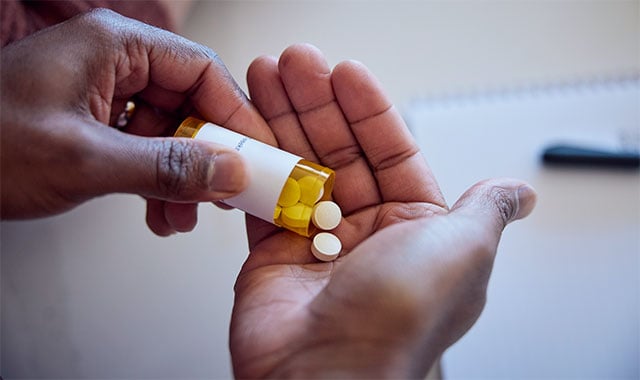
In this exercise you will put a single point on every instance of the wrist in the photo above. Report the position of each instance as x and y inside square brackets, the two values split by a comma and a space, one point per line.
[356, 359]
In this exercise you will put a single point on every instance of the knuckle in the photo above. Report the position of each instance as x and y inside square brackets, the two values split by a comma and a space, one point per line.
[208, 52]
[100, 18]
[101, 13]
[175, 168]
[102, 25]
[505, 204]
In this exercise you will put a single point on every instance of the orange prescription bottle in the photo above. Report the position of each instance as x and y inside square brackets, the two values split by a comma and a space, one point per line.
[283, 188]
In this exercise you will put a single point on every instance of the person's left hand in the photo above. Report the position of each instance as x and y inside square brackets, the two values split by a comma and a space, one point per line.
[412, 276]
[63, 88]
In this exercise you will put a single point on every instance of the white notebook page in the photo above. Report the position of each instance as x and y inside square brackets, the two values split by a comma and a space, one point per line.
[563, 300]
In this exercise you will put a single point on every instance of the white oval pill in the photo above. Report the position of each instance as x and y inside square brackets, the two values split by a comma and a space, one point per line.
[326, 246]
[326, 215]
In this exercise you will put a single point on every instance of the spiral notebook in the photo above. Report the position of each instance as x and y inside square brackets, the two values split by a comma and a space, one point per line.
[564, 297]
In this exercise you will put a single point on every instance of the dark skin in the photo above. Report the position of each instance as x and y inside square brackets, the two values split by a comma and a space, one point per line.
[61, 88]
[412, 276]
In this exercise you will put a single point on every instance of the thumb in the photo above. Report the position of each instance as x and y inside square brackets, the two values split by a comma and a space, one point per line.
[174, 169]
[494, 203]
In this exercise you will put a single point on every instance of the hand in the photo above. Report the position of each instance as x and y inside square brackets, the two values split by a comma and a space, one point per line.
[413, 273]
[62, 87]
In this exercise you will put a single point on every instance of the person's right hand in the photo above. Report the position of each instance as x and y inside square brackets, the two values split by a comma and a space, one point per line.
[64, 86]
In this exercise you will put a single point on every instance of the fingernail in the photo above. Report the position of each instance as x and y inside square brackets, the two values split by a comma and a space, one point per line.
[527, 197]
[227, 173]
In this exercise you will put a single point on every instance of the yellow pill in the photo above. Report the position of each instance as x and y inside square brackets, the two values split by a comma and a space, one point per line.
[276, 212]
[311, 190]
[297, 215]
[290, 194]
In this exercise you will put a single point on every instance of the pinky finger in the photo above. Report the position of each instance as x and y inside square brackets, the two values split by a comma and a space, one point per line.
[182, 217]
[222, 205]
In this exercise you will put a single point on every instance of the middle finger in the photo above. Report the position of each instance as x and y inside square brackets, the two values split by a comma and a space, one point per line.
[307, 79]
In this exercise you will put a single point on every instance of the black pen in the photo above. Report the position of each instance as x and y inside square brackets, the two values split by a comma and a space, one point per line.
[570, 155]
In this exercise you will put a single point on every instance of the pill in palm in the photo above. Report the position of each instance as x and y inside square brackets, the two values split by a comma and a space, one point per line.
[326, 246]
[326, 215]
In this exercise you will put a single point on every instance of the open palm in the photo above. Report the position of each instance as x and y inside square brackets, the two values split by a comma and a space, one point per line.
[365, 313]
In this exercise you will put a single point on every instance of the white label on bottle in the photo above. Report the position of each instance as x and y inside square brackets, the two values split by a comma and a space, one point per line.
[268, 169]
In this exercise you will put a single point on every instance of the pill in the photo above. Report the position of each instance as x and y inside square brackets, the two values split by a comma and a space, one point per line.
[296, 216]
[290, 194]
[276, 212]
[326, 246]
[326, 215]
[311, 189]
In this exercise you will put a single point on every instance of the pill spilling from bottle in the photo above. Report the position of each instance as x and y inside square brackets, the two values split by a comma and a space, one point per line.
[326, 215]
[299, 202]
[284, 189]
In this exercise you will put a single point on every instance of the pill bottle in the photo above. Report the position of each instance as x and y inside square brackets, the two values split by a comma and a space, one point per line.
[283, 188]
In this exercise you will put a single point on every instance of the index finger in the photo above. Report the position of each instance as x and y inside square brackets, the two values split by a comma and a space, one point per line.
[306, 77]
[171, 72]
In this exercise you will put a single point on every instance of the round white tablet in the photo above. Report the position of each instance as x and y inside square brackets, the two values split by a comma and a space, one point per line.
[326, 215]
[326, 246]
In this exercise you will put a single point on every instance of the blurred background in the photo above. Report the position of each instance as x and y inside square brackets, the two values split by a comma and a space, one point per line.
[93, 294]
